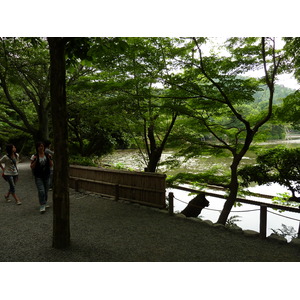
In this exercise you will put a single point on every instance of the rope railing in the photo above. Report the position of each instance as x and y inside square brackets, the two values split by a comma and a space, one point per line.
[271, 212]
[239, 211]
[218, 210]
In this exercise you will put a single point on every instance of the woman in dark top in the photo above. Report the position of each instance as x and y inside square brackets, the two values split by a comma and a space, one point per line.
[41, 164]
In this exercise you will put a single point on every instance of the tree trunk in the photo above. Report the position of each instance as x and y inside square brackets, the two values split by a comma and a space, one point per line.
[155, 152]
[61, 205]
[233, 191]
[227, 206]
[154, 159]
[43, 132]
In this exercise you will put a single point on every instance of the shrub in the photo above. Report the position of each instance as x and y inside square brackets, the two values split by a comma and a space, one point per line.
[82, 161]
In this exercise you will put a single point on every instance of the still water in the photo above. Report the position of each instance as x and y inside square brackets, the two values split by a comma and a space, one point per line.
[247, 216]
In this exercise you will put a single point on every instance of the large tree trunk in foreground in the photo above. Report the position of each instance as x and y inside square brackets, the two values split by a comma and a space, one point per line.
[61, 205]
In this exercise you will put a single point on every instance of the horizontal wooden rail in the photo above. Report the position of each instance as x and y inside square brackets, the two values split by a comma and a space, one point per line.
[218, 188]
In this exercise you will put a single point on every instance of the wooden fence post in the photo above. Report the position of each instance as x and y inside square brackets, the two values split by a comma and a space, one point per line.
[171, 204]
[116, 192]
[76, 185]
[263, 222]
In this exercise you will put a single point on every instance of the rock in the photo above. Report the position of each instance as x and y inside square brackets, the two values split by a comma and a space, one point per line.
[251, 233]
[196, 219]
[180, 216]
[277, 238]
[208, 222]
[195, 206]
[219, 226]
[235, 229]
[295, 242]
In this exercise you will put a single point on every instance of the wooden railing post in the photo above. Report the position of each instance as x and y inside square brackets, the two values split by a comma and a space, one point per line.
[263, 222]
[117, 193]
[171, 204]
[76, 185]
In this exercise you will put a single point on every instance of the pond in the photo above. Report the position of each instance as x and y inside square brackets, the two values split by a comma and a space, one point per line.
[246, 216]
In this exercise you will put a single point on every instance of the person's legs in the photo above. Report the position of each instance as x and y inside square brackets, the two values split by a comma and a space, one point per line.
[41, 190]
[6, 196]
[11, 185]
[51, 179]
[46, 183]
[12, 188]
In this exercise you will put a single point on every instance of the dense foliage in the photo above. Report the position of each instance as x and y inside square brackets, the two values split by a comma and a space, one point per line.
[152, 93]
[122, 92]
[280, 165]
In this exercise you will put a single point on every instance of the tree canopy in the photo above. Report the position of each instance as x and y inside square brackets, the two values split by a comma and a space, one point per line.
[277, 165]
[152, 93]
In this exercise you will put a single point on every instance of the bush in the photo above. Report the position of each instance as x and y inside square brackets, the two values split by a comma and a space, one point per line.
[82, 161]
[279, 165]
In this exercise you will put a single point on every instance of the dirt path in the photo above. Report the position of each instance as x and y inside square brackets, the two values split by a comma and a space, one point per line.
[105, 230]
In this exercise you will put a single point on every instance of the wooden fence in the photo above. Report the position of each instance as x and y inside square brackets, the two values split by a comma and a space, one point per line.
[263, 207]
[148, 189]
[140, 187]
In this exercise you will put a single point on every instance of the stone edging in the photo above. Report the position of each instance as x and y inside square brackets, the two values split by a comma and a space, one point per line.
[234, 229]
[247, 232]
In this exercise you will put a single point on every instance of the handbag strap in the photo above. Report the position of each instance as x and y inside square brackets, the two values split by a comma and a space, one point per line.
[13, 163]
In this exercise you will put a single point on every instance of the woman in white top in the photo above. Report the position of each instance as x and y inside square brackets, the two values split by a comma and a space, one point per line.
[10, 171]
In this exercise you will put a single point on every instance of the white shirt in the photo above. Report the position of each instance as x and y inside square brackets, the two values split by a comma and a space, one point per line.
[42, 160]
[10, 168]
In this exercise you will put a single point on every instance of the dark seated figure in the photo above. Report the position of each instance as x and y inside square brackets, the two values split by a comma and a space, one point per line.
[195, 206]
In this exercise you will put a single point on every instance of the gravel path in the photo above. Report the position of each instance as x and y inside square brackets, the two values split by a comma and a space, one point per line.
[103, 230]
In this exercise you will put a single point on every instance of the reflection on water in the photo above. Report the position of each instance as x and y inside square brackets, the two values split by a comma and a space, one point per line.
[131, 159]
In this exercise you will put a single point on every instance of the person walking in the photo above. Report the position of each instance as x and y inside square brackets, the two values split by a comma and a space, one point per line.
[10, 171]
[41, 164]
